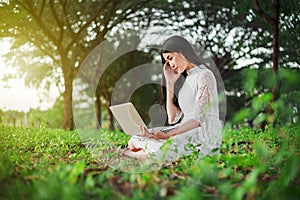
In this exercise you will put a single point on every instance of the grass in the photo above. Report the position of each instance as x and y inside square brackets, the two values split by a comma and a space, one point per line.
[55, 164]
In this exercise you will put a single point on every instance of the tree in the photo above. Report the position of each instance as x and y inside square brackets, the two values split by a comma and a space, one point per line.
[56, 36]
[230, 30]
[1, 117]
[106, 65]
[289, 35]
[274, 23]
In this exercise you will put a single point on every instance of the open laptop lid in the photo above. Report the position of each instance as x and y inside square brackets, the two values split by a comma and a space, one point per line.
[128, 118]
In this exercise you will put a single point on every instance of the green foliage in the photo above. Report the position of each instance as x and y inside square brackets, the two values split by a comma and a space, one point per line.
[47, 163]
[257, 95]
[250, 81]
[1, 117]
[53, 117]
[47, 50]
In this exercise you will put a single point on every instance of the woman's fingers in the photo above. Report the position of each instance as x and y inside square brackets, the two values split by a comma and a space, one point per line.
[158, 135]
[170, 74]
[168, 69]
[144, 131]
[167, 65]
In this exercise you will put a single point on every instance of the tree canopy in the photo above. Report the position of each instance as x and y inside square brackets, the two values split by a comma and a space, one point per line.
[51, 39]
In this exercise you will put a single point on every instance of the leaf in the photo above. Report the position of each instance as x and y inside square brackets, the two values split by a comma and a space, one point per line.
[165, 148]
[6, 166]
[290, 170]
[262, 153]
[241, 115]
[250, 80]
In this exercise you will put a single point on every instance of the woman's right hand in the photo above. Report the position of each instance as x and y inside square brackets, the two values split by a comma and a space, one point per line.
[170, 74]
[145, 132]
[157, 135]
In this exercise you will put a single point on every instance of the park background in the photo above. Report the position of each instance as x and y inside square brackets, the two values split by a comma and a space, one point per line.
[254, 44]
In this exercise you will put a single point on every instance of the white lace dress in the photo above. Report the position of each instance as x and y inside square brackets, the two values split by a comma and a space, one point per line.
[198, 100]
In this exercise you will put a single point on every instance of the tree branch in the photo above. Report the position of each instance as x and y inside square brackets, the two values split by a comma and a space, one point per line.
[261, 13]
[38, 21]
[42, 9]
[59, 23]
[88, 23]
[66, 16]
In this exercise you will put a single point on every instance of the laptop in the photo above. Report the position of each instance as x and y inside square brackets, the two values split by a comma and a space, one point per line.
[128, 118]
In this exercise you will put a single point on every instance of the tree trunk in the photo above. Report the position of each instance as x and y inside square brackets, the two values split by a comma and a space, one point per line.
[275, 27]
[68, 120]
[274, 22]
[275, 89]
[98, 111]
[110, 119]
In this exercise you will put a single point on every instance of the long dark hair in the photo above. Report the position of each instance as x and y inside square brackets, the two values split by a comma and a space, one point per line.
[177, 44]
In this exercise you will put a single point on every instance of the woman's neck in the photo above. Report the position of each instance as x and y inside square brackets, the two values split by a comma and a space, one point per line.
[190, 66]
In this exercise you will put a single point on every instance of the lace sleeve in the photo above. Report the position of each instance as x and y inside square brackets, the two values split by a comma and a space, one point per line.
[206, 83]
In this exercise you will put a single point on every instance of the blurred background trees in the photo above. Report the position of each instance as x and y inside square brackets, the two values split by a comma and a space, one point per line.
[51, 39]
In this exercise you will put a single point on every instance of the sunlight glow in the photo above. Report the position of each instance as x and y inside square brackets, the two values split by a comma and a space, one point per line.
[13, 94]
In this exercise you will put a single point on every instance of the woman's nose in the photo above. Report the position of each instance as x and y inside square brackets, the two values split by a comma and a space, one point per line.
[171, 64]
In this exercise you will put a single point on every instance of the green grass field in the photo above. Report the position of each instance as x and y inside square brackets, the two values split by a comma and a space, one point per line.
[55, 164]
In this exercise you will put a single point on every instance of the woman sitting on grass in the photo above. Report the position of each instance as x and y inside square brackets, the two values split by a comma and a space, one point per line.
[189, 91]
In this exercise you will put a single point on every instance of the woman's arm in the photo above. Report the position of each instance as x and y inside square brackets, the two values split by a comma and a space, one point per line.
[187, 126]
[171, 77]
[172, 110]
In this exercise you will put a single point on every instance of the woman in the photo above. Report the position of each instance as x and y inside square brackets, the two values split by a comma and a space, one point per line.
[189, 90]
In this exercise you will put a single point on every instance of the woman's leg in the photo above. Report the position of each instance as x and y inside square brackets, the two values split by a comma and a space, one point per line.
[141, 154]
[132, 151]
[131, 145]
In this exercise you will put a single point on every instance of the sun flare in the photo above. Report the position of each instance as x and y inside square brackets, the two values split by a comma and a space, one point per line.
[5, 46]
[16, 96]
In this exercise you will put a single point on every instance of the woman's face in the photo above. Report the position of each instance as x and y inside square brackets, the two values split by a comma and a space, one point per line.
[176, 61]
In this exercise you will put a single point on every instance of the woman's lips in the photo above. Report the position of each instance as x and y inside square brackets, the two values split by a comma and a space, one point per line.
[174, 68]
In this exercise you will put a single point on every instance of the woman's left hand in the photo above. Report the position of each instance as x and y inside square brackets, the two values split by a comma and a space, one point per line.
[158, 135]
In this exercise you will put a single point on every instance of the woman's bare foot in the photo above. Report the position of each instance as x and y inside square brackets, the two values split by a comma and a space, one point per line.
[137, 153]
